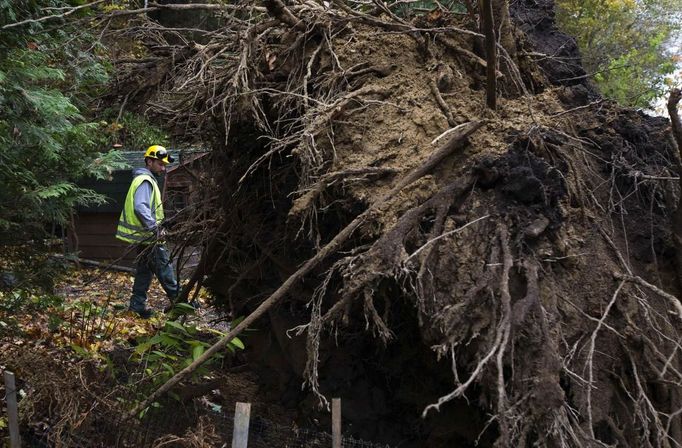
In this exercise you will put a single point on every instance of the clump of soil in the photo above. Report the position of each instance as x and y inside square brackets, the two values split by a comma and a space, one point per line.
[510, 296]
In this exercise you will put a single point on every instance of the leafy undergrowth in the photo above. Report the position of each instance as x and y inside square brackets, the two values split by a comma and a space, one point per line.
[87, 312]
[83, 334]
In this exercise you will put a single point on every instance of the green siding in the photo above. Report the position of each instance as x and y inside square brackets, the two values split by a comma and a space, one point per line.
[115, 190]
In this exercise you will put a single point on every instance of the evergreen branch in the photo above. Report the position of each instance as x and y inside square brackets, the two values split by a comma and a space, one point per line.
[55, 16]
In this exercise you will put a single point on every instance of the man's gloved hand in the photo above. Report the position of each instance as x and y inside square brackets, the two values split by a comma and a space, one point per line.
[160, 233]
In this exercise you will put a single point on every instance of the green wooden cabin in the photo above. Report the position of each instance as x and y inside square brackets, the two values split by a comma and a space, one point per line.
[92, 235]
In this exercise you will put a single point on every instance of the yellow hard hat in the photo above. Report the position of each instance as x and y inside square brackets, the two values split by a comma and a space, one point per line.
[159, 152]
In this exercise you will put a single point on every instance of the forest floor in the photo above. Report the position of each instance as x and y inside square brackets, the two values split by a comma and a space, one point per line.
[82, 360]
[88, 311]
[79, 348]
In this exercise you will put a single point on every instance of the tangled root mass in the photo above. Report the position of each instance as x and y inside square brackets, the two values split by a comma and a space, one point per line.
[513, 295]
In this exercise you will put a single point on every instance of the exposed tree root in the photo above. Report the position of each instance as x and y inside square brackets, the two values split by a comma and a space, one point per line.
[505, 253]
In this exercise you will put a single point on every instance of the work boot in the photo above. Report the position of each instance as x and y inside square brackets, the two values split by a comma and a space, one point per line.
[144, 313]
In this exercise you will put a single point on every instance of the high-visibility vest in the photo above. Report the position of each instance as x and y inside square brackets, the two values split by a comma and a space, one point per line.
[130, 228]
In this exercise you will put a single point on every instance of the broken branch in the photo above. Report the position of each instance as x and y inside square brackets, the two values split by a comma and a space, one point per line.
[279, 10]
[442, 104]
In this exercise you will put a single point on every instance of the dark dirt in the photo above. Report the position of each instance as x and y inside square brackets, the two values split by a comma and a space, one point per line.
[560, 57]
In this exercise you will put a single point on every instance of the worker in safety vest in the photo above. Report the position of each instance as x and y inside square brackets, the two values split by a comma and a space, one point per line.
[140, 225]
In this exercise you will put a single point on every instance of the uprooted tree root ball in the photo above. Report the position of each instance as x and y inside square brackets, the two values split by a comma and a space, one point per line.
[519, 292]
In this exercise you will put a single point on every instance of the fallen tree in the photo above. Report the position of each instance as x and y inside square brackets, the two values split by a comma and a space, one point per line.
[519, 291]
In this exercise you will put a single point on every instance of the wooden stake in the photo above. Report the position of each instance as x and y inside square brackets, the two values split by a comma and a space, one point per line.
[240, 433]
[12, 410]
[336, 423]
[460, 133]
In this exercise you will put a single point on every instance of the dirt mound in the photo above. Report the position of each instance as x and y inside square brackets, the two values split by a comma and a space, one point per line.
[507, 297]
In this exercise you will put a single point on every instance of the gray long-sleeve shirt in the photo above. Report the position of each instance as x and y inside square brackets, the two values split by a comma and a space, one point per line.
[143, 201]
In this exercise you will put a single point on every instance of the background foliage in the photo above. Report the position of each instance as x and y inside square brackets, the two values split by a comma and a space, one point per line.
[130, 131]
[48, 76]
[626, 44]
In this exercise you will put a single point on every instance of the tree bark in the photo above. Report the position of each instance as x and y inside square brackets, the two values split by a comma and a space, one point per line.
[488, 25]
[496, 22]
[504, 26]
[673, 101]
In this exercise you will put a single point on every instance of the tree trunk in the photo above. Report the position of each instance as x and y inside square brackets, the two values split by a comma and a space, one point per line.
[673, 101]
[488, 28]
[504, 26]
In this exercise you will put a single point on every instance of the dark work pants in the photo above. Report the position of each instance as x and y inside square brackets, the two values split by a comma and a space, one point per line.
[152, 259]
